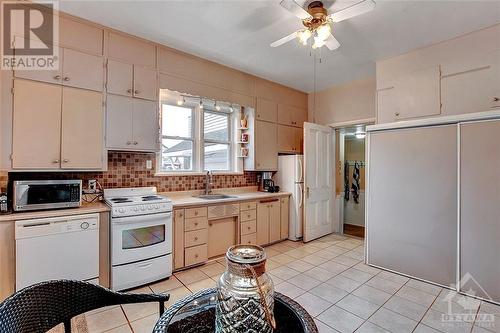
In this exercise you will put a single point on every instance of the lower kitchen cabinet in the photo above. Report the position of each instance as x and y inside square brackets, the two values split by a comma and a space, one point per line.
[221, 236]
[266, 146]
[285, 217]
[131, 124]
[268, 221]
[480, 209]
[412, 203]
[178, 247]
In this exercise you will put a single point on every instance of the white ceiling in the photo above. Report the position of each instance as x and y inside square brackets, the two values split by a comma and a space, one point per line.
[237, 33]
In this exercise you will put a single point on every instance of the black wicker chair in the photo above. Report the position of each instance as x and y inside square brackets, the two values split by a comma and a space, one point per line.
[42, 306]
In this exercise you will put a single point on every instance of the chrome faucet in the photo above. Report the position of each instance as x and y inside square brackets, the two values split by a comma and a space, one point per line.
[208, 183]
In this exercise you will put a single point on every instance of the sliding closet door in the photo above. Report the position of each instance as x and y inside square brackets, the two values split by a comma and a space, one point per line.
[480, 208]
[412, 202]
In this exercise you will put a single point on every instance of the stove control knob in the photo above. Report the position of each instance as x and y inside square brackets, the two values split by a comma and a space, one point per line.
[135, 209]
[157, 206]
[121, 210]
[143, 208]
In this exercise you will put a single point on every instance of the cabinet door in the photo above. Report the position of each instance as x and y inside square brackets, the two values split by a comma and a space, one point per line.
[291, 116]
[266, 110]
[178, 238]
[119, 78]
[285, 215]
[119, 122]
[36, 125]
[262, 223]
[145, 83]
[82, 70]
[480, 209]
[54, 76]
[82, 129]
[145, 125]
[299, 140]
[266, 146]
[274, 221]
[412, 203]
[289, 139]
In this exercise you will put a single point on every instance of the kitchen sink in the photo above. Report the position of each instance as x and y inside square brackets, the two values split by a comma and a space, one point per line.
[214, 196]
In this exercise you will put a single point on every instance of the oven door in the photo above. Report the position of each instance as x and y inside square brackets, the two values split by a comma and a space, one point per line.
[135, 238]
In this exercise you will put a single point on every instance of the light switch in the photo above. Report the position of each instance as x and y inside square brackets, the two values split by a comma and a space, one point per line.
[149, 164]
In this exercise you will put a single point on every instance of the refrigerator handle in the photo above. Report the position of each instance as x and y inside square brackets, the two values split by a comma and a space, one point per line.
[301, 170]
[301, 202]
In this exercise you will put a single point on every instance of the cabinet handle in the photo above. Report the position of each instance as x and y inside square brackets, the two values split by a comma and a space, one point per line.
[249, 228]
[129, 91]
[135, 143]
[196, 238]
[136, 92]
[57, 77]
[65, 161]
[129, 143]
[196, 256]
[496, 99]
[55, 161]
[396, 114]
[196, 223]
[66, 78]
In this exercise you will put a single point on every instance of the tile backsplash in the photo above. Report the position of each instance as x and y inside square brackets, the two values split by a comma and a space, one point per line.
[129, 170]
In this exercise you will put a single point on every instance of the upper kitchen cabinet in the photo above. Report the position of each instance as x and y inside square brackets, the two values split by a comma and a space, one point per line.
[131, 124]
[131, 50]
[471, 85]
[80, 36]
[76, 69]
[266, 146]
[290, 139]
[291, 116]
[266, 110]
[65, 132]
[411, 95]
[132, 80]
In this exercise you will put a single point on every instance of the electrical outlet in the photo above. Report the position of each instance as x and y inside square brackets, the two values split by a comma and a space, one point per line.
[92, 185]
[149, 164]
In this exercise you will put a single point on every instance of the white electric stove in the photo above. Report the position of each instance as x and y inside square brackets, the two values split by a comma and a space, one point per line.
[141, 236]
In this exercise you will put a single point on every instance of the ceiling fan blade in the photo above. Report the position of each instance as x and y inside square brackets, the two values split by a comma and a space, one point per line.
[284, 40]
[354, 10]
[295, 9]
[332, 43]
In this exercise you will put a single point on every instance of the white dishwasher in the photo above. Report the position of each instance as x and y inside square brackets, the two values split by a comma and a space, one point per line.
[57, 248]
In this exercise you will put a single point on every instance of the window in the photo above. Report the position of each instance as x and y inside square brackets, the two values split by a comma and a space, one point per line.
[177, 142]
[197, 137]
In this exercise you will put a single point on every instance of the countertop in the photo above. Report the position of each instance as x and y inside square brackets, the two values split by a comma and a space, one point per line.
[85, 208]
[179, 199]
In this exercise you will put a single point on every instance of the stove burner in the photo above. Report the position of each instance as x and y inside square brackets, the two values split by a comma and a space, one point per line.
[150, 198]
[120, 200]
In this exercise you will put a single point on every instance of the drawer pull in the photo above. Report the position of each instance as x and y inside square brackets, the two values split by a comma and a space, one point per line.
[196, 238]
[196, 224]
[248, 215]
[249, 228]
[196, 255]
[66, 78]
[196, 213]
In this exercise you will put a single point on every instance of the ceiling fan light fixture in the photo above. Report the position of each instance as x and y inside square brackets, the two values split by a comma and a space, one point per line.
[318, 43]
[304, 36]
[324, 31]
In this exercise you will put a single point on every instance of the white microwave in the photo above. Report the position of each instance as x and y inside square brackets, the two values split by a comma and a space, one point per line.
[46, 194]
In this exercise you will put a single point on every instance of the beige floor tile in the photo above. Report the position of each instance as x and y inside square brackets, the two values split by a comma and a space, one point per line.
[270, 252]
[313, 304]
[356, 275]
[293, 244]
[372, 295]
[304, 281]
[140, 290]
[384, 285]
[328, 293]
[144, 325]
[289, 289]
[344, 283]
[283, 259]
[368, 327]
[334, 267]
[213, 269]
[424, 286]
[105, 320]
[490, 308]
[190, 276]
[340, 319]
[392, 321]
[200, 285]
[283, 272]
[345, 260]
[355, 255]
[314, 259]
[271, 264]
[347, 245]
[326, 254]
[421, 328]
[416, 296]
[310, 248]
[323, 328]
[140, 310]
[281, 247]
[365, 268]
[393, 277]
[297, 253]
[166, 285]
[121, 329]
[300, 265]
[406, 308]
[176, 295]
[319, 245]
[101, 309]
[320, 274]
[435, 320]
[358, 306]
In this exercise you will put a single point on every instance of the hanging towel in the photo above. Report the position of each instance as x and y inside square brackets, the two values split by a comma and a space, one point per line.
[355, 183]
[346, 181]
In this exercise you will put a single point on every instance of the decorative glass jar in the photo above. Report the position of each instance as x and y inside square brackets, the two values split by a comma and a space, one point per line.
[245, 293]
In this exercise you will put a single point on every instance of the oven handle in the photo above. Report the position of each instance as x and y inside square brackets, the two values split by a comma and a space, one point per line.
[140, 218]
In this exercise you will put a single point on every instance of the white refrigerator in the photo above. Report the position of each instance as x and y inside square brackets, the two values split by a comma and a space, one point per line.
[290, 178]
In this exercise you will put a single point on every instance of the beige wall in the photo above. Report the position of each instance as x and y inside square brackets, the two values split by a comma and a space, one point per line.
[350, 102]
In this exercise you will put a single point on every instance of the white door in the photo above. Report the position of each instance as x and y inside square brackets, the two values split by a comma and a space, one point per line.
[319, 181]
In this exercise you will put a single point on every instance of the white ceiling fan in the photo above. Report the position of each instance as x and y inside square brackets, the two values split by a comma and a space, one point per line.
[318, 23]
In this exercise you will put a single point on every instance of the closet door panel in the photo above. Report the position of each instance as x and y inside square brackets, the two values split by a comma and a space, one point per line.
[412, 203]
[480, 208]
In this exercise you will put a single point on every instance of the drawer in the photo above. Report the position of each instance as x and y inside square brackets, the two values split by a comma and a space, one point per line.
[248, 215]
[195, 255]
[196, 223]
[249, 239]
[248, 205]
[248, 227]
[223, 211]
[196, 212]
[197, 237]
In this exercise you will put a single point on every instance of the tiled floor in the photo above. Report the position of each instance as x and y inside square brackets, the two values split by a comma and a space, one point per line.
[327, 277]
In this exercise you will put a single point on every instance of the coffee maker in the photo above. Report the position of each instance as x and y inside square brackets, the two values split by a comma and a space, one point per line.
[266, 182]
